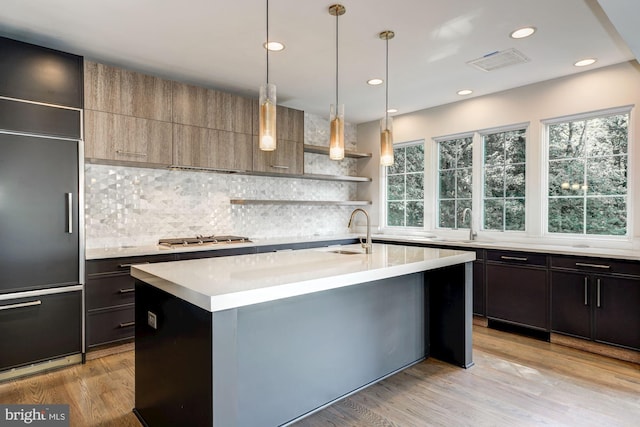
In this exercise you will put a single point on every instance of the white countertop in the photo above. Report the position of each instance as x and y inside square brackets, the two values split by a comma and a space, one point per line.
[222, 283]
[127, 251]
[628, 254]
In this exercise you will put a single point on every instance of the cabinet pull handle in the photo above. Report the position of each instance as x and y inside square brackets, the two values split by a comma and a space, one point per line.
[126, 291]
[126, 324]
[279, 167]
[130, 153]
[69, 197]
[513, 258]
[598, 293]
[20, 305]
[584, 264]
[586, 291]
[129, 265]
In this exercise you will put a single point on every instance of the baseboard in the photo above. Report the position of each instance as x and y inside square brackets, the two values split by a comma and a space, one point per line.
[109, 349]
[480, 321]
[598, 348]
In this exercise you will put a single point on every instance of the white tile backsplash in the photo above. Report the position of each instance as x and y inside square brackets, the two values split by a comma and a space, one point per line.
[126, 206]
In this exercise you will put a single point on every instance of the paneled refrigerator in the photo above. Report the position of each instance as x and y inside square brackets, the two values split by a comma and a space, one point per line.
[41, 234]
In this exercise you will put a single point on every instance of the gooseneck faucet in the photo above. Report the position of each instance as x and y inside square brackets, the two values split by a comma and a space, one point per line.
[472, 234]
[367, 246]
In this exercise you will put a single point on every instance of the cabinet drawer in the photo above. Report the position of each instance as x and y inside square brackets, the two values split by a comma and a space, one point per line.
[215, 253]
[113, 265]
[40, 328]
[596, 265]
[511, 257]
[109, 290]
[112, 325]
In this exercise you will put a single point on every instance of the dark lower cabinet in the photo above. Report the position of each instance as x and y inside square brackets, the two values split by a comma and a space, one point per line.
[517, 294]
[40, 328]
[479, 294]
[599, 307]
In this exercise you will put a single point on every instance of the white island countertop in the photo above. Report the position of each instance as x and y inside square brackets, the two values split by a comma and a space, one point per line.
[223, 283]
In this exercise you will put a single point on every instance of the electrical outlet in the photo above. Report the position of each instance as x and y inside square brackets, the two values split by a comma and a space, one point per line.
[152, 320]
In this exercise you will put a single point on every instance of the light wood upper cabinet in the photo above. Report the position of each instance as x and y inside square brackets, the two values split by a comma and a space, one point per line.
[116, 90]
[290, 124]
[190, 105]
[288, 158]
[119, 138]
[198, 106]
[209, 148]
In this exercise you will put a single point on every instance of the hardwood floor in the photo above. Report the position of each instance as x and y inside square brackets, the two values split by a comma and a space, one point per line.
[516, 381]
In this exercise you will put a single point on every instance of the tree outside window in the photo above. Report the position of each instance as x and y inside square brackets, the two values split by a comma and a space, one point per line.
[587, 175]
[504, 180]
[405, 186]
[455, 161]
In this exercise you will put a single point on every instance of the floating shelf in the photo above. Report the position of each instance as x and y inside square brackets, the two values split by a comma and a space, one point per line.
[318, 149]
[301, 202]
[322, 177]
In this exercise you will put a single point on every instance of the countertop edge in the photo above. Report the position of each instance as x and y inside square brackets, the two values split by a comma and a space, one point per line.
[293, 289]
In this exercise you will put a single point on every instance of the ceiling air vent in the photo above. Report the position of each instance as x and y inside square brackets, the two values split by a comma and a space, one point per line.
[499, 59]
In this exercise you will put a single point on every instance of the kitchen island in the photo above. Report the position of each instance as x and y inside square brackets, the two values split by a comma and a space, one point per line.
[265, 339]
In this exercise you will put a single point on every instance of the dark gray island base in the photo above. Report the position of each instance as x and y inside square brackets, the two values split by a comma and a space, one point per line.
[272, 363]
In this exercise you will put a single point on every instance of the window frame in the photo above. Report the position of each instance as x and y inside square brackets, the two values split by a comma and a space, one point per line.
[627, 109]
[436, 175]
[526, 126]
[384, 189]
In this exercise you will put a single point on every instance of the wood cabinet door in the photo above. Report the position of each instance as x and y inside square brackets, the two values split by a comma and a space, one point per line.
[127, 139]
[189, 104]
[288, 158]
[617, 311]
[191, 146]
[290, 124]
[230, 150]
[517, 294]
[571, 301]
[116, 90]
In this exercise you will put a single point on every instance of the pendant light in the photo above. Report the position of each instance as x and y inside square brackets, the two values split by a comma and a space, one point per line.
[267, 113]
[336, 112]
[386, 124]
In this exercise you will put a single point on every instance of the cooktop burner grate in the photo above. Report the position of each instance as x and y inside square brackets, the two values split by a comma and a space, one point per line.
[202, 240]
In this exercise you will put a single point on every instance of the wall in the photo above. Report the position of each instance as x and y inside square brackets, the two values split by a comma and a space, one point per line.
[607, 87]
[127, 206]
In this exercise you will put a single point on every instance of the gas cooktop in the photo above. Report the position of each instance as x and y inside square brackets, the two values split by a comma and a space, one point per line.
[202, 240]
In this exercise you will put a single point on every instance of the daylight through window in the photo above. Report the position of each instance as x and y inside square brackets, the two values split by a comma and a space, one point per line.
[455, 158]
[587, 176]
[405, 186]
[504, 180]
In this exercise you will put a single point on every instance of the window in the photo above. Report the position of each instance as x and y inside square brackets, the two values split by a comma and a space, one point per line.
[405, 186]
[587, 175]
[455, 158]
[504, 180]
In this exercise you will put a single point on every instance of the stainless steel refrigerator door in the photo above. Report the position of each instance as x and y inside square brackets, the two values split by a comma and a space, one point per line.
[39, 215]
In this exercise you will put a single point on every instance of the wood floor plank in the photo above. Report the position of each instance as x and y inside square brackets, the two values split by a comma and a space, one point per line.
[516, 381]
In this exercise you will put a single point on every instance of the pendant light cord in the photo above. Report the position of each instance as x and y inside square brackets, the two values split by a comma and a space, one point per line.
[386, 95]
[267, 45]
[337, 14]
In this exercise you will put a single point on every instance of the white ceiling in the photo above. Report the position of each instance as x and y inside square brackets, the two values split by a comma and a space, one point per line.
[219, 44]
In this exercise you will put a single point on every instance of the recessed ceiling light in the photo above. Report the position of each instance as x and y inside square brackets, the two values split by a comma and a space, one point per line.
[585, 62]
[465, 92]
[392, 110]
[273, 46]
[375, 82]
[523, 32]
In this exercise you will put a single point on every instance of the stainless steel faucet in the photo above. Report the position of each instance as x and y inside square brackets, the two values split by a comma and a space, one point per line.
[367, 246]
[472, 234]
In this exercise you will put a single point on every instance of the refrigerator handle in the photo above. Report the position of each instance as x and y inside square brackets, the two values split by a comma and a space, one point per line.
[69, 213]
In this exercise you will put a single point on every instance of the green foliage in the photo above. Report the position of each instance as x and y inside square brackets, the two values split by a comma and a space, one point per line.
[405, 187]
[588, 169]
[455, 160]
[504, 180]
